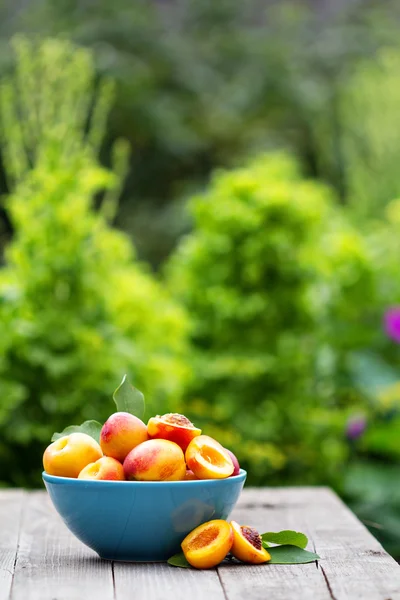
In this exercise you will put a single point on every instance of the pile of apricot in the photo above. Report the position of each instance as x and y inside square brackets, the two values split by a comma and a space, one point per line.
[168, 448]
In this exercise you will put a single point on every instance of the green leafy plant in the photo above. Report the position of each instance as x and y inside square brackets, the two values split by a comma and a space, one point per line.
[77, 309]
[276, 281]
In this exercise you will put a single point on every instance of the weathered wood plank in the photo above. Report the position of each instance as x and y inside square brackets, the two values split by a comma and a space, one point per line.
[11, 503]
[272, 511]
[52, 564]
[353, 563]
[162, 582]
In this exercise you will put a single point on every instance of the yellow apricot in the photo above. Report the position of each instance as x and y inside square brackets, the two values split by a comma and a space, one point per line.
[106, 468]
[67, 456]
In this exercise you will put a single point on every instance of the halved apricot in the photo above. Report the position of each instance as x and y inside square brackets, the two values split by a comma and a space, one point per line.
[174, 427]
[208, 459]
[208, 544]
[247, 545]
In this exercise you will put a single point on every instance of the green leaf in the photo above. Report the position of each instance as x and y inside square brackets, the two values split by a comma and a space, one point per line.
[179, 560]
[290, 555]
[91, 428]
[129, 399]
[293, 538]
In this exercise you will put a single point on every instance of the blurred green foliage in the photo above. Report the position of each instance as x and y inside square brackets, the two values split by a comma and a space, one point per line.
[203, 84]
[278, 285]
[77, 310]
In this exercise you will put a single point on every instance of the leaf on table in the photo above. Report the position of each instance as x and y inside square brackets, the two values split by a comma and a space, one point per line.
[294, 538]
[128, 399]
[91, 428]
[290, 555]
[179, 560]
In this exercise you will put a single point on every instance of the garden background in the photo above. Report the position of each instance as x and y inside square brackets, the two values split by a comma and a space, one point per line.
[206, 195]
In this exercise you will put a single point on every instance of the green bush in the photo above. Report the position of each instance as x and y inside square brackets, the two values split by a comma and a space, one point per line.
[279, 288]
[76, 309]
[370, 120]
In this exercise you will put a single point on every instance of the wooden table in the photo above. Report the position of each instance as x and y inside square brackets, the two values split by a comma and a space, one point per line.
[41, 560]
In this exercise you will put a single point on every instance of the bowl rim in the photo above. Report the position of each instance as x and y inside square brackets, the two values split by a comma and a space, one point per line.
[96, 482]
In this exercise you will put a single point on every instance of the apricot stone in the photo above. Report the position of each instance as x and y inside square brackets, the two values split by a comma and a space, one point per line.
[174, 427]
[106, 468]
[247, 545]
[155, 460]
[120, 434]
[67, 456]
[207, 545]
[208, 459]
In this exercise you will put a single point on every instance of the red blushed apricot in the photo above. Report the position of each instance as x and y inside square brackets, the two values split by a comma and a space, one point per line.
[155, 460]
[190, 476]
[174, 427]
[120, 434]
[236, 469]
[207, 545]
[106, 468]
[208, 459]
[247, 545]
[67, 456]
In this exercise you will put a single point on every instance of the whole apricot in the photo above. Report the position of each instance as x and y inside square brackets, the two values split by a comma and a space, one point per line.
[155, 460]
[120, 434]
[236, 466]
[106, 468]
[67, 456]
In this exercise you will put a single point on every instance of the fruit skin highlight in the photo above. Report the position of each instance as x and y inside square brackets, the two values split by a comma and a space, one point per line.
[155, 460]
[106, 468]
[208, 459]
[208, 544]
[67, 456]
[247, 545]
[174, 427]
[120, 434]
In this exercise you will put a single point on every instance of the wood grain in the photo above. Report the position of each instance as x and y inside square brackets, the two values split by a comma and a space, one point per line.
[273, 511]
[353, 563]
[162, 582]
[41, 560]
[11, 503]
[52, 564]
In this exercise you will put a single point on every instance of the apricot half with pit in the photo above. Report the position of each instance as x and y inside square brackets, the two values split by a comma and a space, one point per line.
[173, 427]
[247, 545]
[208, 544]
[208, 459]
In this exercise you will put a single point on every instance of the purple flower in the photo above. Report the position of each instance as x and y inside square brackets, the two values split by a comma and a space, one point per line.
[392, 323]
[355, 427]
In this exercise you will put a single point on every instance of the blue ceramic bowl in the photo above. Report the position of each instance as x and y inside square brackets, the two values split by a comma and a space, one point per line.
[139, 520]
